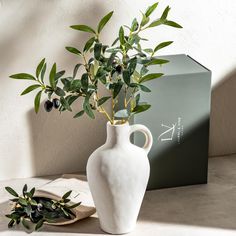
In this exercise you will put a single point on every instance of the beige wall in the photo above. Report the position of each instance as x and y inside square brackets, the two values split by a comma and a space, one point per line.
[33, 29]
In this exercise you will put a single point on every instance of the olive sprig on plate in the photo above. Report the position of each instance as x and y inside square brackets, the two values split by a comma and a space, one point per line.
[31, 210]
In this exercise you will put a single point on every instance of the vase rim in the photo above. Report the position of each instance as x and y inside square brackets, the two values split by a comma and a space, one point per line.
[117, 124]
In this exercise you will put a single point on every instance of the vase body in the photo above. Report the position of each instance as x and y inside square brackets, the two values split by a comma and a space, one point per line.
[118, 173]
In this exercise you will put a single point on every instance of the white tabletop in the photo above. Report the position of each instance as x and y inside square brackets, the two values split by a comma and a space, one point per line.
[202, 210]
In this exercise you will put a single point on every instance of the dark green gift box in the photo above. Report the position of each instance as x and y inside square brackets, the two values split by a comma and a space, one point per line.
[179, 122]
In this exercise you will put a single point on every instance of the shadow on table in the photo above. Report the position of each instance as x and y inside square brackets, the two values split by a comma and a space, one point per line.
[210, 205]
[86, 226]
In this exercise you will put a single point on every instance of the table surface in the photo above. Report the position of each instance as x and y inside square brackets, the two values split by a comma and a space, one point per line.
[208, 209]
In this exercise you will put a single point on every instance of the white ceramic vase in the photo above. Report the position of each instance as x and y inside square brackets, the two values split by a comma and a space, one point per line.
[118, 173]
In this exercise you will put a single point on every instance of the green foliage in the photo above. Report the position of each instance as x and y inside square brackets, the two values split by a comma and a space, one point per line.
[31, 88]
[84, 28]
[121, 68]
[150, 77]
[30, 210]
[103, 21]
[172, 23]
[79, 114]
[40, 67]
[162, 45]
[102, 100]
[141, 108]
[89, 44]
[52, 76]
[11, 191]
[73, 50]
[37, 101]
[121, 35]
[22, 76]
[150, 9]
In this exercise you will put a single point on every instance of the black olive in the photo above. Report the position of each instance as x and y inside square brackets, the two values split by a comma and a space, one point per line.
[114, 62]
[39, 207]
[48, 105]
[56, 103]
[119, 69]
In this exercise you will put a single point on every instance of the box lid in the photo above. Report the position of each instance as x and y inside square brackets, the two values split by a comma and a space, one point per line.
[178, 64]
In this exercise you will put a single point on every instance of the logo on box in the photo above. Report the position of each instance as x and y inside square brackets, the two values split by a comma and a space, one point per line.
[172, 131]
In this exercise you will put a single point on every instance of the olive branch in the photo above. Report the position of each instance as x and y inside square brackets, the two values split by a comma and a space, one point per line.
[122, 68]
[28, 208]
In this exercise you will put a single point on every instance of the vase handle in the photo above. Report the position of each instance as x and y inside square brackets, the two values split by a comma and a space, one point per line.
[148, 135]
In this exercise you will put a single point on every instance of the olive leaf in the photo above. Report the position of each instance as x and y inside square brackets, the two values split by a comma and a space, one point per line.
[67, 194]
[39, 224]
[104, 21]
[24, 223]
[24, 76]
[150, 77]
[39, 67]
[144, 88]
[59, 75]
[37, 101]
[117, 88]
[121, 36]
[74, 205]
[97, 50]
[65, 104]
[24, 189]
[162, 45]
[89, 44]
[77, 66]
[141, 108]
[79, 114]
[31, 88]
[11, 191]
[60, 92]
[73, 50]
[43, 72]
[145, 20]
[132, 65]
[165, 13]
[102, 100]
[52, 76]
[85, 81]
[157, 62]
[134, 25]
[126, 76]
[87, 108]
[156, 23]
[173, 24]
[32, 191]
[151, 9]
[84, 28]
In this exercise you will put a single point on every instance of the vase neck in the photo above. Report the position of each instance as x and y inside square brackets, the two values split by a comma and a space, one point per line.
[118, 134]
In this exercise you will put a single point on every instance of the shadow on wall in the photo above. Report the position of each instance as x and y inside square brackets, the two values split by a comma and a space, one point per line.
[59, 143]
[223, 117]
[36, 17]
